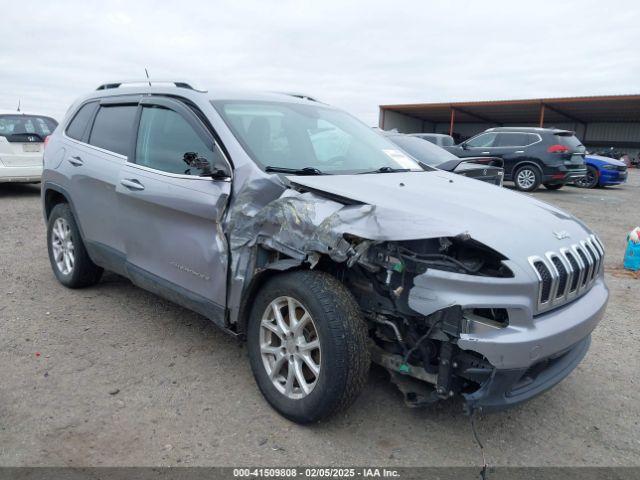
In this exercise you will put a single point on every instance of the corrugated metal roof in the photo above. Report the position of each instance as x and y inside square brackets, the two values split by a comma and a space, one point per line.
[585, 109]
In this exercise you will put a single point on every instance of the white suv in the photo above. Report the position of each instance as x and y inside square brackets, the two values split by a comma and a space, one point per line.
[22, 138]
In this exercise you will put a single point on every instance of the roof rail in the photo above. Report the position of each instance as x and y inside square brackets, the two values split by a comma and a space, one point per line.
[301, 96]
[146, 81]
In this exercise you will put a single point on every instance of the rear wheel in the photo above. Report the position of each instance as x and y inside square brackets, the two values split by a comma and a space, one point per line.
[553, 186]
[527, 178]
[307, 345]
[590, 180]
[69, 258]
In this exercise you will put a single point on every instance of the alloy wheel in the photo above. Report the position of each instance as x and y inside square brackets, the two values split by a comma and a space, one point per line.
[588, 181]
[62, 246]
[526, 178]
[290, 347]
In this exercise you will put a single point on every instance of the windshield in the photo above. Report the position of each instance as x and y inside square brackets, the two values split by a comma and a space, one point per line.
[297, 136]
[24, 125]
[422, 150]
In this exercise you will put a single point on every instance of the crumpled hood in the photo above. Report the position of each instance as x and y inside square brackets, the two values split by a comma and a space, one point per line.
[416, 205]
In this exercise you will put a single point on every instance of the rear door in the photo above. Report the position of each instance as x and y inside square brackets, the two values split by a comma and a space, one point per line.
[512, 148]
[169, 214]
[92, 164]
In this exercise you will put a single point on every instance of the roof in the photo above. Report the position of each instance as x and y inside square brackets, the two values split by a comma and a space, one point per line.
[608, 108]
[15, 112]
[527, 129]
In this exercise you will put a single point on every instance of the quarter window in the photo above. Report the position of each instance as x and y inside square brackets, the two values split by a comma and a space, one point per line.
[113, 128]
[483, 140]
[168, 143]
[78, 125]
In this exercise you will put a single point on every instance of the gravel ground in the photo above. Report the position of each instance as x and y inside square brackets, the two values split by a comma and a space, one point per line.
[113, 375]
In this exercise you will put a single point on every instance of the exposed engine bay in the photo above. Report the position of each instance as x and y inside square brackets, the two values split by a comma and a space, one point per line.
[420, 352]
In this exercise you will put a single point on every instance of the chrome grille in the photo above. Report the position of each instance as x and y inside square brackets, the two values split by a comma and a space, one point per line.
[568, 273]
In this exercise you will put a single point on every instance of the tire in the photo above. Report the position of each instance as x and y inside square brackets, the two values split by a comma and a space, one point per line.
[63, 238]
[590, 180]
[553, 186]
[527, 178]
[336, 324]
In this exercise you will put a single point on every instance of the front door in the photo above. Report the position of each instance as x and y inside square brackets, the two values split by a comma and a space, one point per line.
[479, 146]
[170, 215]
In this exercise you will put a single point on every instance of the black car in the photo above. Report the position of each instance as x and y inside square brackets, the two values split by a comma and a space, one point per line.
[485, 169]
[532, 156]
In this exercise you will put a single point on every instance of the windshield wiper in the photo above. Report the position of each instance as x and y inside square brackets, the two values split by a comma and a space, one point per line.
[295, 171]
[388, 170]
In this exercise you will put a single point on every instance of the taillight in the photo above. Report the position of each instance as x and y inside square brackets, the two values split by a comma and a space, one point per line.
[46, 140]
[558, 149]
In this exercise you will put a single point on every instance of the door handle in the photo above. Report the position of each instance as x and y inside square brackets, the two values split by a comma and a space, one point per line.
[75, 161]
[519, 151]
[486, 153]
[132, 184]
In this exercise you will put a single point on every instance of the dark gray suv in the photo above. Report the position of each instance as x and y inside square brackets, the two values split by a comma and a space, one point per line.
[293, 225]
[532, 156]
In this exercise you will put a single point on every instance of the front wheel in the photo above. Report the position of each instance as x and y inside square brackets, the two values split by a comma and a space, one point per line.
[590, 180]
[553, 186]
[527, 178]
[307, 345]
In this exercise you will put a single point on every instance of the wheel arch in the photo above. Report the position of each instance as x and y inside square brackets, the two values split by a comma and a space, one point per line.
[52, 195]
[523, 163]
[265, 274]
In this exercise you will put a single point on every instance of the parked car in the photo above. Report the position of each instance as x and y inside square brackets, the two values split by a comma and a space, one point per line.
[602, 171]
[439, 139]
[482, 168]
[532, 156]
[293, 225]
[22, 137]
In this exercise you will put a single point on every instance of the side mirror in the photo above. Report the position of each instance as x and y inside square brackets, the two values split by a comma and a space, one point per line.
[206, 170]
[464, 146]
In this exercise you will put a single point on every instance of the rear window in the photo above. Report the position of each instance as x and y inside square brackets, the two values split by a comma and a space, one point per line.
[26, 128]
[568, 140]
[113, 128]
[78, 125]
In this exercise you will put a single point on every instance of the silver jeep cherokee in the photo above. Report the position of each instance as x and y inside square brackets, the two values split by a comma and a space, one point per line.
[292, 225]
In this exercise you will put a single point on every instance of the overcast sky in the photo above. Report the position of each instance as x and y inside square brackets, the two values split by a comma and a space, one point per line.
[355, 55]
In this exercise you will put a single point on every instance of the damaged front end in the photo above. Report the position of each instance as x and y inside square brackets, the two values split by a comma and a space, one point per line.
[447, 315]
[304, 229]
[420, 351]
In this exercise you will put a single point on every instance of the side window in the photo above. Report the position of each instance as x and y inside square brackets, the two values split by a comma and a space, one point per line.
[512, 140]
[532, 138]
[483, 140]
[78, 125]
[167, 142]
[113, 128]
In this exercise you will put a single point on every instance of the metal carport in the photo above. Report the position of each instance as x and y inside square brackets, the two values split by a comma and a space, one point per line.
[611, 121]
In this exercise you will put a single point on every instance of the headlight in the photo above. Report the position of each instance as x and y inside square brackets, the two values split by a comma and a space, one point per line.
[609, 167]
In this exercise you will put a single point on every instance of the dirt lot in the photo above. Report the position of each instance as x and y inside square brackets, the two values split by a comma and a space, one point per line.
[112, 375]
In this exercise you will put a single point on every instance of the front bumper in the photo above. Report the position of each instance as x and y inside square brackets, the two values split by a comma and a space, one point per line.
[505, 388]
[611, 177]
[528, 337]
